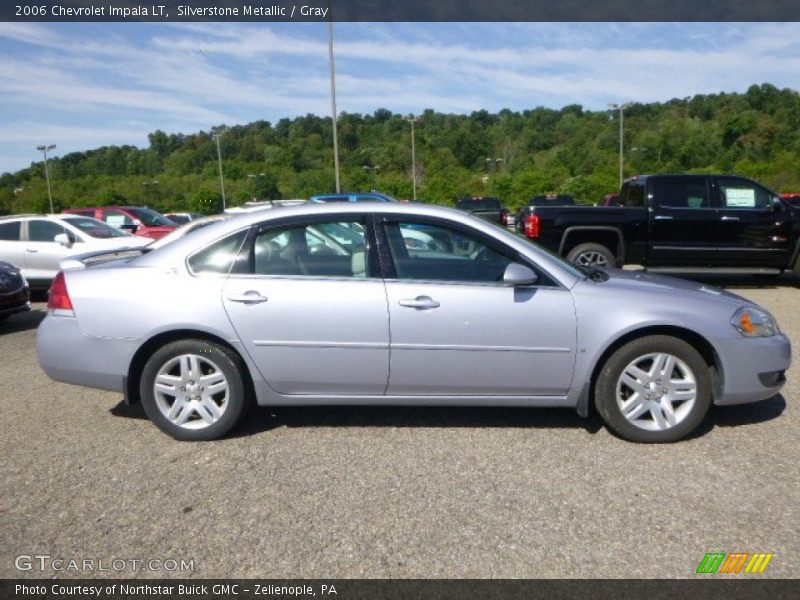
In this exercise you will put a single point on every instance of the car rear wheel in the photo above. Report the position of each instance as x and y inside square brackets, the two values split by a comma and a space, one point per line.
[592, 255]
[655, 389]
[193, 390]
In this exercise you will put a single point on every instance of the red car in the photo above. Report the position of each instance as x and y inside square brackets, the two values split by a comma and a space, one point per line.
[792, 198]
[141, 221]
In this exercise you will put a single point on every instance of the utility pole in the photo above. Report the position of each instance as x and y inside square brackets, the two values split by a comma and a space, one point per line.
[217, 135]
[412, 119]
[621, 108]
[45, 150]
[333, 102]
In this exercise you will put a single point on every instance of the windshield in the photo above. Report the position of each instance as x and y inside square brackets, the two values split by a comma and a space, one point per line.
[150, 218]
[95, 228]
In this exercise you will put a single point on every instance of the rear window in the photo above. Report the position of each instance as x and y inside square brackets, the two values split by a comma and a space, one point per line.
[150, 218]
[552, 200]
[632, 194]
[479, 204]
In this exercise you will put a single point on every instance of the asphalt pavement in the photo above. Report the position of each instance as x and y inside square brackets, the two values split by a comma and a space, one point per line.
[340, 492]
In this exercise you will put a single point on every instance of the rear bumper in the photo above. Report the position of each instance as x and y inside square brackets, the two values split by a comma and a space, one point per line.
[753, 368]
[69, 356]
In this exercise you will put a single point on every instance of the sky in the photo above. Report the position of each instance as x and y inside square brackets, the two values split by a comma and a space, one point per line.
[85, 85]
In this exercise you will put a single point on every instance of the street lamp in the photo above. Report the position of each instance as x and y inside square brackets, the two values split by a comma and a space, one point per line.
[333, 102]
[217, 135]
[372, 174]
[44, 150]
[412, 119]
[621, 108]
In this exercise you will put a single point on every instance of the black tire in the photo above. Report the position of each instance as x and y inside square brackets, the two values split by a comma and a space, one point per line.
[591, 254]
[235, 401]
[605, 390]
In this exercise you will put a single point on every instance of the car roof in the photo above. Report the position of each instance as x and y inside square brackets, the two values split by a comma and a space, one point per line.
[51, 216]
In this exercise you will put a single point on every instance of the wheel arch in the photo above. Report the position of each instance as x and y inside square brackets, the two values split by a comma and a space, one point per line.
[139, 359]
[594, 234]
[697, 341]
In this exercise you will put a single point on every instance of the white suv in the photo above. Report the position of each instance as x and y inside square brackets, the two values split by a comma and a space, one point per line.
[37, 243]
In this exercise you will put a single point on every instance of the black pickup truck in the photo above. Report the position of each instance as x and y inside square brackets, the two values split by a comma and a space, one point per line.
[490, 209]
[677, 223]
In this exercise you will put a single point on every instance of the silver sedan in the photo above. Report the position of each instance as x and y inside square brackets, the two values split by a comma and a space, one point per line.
[336, 304]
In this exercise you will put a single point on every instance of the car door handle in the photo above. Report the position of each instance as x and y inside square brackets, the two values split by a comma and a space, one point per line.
[727, 218]
[250, 297]
[420, 302]
[663, 218]
[31, 250]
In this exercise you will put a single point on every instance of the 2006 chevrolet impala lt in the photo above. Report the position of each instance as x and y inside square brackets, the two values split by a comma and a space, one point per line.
[399, 304]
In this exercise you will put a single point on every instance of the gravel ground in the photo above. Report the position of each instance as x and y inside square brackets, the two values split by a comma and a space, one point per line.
[392, 492]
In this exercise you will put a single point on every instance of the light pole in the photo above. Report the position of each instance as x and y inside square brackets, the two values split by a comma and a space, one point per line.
[372, 174]
[333, 102]
[44, 150]
[621, 108]
[217, 135]
[412, 119]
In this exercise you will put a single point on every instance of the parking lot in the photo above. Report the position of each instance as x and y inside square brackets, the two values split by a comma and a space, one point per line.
[335, 492]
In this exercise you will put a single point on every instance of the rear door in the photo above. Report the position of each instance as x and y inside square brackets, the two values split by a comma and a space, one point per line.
[684, 222]
[311, 309]
[755, 227]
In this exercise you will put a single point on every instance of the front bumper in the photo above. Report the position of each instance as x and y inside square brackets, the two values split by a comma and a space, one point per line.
[69, 356]
[14, 302]
[752, 368]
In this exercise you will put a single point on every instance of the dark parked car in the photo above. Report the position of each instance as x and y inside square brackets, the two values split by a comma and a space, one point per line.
[14, 293]
[352, 197]
[489, 209]
[678, 223]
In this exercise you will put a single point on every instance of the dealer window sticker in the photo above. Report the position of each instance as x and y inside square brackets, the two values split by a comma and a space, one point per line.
[740, 197]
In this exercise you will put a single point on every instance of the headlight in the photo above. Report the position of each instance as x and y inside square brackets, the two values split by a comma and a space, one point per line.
[754, 322]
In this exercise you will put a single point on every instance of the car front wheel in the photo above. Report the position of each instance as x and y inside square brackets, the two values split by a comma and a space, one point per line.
[193, 390]
[592, 255]
[654, 389]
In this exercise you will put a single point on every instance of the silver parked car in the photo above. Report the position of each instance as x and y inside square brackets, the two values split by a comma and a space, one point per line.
[333, 304]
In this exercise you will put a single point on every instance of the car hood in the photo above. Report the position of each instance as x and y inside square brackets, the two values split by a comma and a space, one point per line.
[621, 281]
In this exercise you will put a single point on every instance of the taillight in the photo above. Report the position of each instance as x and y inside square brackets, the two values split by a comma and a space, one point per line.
[504, 218]
[58, 300]
[532, 226]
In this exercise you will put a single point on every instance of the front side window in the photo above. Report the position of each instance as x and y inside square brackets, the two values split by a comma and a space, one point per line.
[681, 192]
[740, 193]
[116, 218]
[432, 252]
[151, 218]
[43, 231]
[326, 249]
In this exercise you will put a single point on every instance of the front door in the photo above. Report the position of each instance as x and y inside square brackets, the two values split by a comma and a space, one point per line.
[309, 311]
[456, 329]
[755, 227]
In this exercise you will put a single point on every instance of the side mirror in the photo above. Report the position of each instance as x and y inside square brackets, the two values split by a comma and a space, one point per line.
[130, 227]
[519, 275]
[63, 239]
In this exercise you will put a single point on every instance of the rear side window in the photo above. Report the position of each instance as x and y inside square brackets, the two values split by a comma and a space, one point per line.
[9, 232]
[681, 192]
[219, 256]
